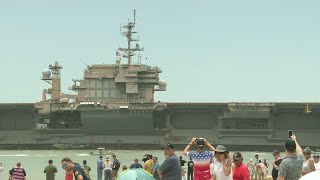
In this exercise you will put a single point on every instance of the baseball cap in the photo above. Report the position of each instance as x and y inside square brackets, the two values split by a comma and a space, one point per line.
[50, 161]
[237, 156]
[290, 145]
[168, 146]
[275, 152]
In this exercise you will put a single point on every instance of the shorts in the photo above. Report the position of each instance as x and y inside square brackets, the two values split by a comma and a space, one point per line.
[201, 175]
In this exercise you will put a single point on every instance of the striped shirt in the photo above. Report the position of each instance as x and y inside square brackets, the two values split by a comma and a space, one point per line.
[18, 173]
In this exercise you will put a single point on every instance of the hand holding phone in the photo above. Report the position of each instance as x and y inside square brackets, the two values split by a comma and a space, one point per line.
[290, 132]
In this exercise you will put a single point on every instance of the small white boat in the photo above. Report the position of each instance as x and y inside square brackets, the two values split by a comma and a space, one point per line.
[101, 151]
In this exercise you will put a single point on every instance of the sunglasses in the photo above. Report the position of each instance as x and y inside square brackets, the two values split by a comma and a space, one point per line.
[64, 165]
[236, 159]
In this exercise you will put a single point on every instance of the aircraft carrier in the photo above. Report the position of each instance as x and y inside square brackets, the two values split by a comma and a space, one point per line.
[114, 107]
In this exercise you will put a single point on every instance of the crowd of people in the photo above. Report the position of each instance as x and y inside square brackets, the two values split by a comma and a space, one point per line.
[296, 164]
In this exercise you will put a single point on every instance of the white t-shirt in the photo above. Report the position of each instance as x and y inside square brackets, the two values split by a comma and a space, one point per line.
[317, 166]
[218, 171]
[108, 165]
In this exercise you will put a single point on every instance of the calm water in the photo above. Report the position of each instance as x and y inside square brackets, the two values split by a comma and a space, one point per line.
[34, 161]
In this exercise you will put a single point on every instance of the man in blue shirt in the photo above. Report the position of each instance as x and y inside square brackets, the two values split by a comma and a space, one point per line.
[99, 168]
[170, 169]
[155, 168]
[136, 164]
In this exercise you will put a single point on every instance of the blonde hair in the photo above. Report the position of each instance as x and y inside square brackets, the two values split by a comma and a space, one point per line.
[124, 167]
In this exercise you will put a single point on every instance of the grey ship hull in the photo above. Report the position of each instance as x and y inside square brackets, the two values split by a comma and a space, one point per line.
[106, 122]
[253, 128]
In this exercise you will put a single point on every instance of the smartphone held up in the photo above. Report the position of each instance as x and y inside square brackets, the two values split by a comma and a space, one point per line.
[290, 133]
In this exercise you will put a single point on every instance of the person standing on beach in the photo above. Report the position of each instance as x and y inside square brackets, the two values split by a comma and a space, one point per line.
[69, 172]
[276, 164]
[261, 170]
[291, 167]
[267, 166]
[308, 165]
[107, 169]
[86, 167]
[148, 164]
[222, 164]
[256, 162]
[190, 169]
[182, 162]
[201, 158]
[250, 166]
[1, 171]
[50, 171]
[99, 168]
[240, 171]
[71, 166]
[183, 168]
[170, 169]
[115, 167]
[18, 172]
[154, 169]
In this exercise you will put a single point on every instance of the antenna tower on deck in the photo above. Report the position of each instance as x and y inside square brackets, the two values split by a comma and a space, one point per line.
[127, 31]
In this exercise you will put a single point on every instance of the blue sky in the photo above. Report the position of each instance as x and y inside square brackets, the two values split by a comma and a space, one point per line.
[209, 51]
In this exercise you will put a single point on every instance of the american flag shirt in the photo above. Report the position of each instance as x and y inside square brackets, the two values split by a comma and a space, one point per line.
[201, 160]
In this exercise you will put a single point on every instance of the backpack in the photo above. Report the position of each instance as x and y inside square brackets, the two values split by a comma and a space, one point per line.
[81, 171]
[116, 165]
[85, 173]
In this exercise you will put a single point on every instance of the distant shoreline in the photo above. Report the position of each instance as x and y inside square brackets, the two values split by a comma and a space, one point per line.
[179, 147]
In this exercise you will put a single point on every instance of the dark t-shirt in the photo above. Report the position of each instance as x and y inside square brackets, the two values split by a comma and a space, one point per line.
[182, 162]
[274, 171]
[116, 165]
[190, 166]
[171, 168]
[136, 166]
[78, 168]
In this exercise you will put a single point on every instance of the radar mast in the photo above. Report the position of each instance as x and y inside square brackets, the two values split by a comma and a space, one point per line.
[127, 31]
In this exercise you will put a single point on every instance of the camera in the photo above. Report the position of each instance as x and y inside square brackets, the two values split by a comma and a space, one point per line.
[200, 142]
